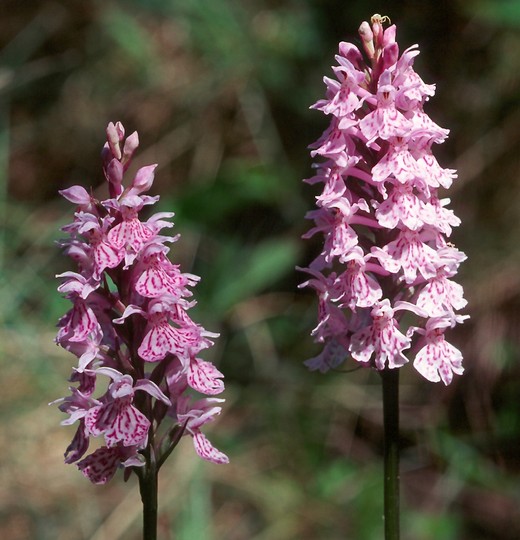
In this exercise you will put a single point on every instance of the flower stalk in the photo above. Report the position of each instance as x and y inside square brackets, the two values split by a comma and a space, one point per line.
[390, 383]
[148, 488]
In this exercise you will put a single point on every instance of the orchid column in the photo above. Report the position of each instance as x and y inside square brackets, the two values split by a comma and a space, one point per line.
[137, 347]
[384, 275]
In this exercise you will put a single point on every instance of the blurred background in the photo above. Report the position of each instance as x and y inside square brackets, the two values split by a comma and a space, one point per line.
[219, 92]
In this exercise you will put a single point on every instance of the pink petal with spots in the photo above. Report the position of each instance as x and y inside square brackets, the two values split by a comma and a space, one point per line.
[359, 289]
[397, 162]
[382, 338]
[439, 360]
[158, 342]
[412, 255]
[154, 282]
[384, 123]
[100, 418]
[130, 428]
[207, 451]
[81, 322]
[107, 256]
[118, 423]
[205, 377]
[432, 172]
[100, 466]
[402, 206]
[331, 143]
[130, 233]
[423, 125]
[441, 295]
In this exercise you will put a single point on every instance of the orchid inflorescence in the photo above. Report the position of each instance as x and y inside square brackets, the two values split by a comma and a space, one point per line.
[130, 329]
[384, 275]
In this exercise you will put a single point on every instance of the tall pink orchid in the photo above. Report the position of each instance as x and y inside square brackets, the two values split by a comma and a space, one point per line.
[384, 277]
[137, 347]
[385, 259]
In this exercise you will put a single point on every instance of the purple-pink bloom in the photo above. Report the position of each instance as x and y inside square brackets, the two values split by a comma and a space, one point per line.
[116, 418]
[384, 227]
[194, 416]
[129, 323]
[205, 377]
[382, 339]
[437, 359]
[100, 466]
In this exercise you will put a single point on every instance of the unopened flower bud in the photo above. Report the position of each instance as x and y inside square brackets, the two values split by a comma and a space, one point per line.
[77, 195]
[131, 144]
[114, 175]
[365, 32]
[143, 179]
[115, 134]
[390, 55]
[350, 52]
[377, 28]
[389, 35]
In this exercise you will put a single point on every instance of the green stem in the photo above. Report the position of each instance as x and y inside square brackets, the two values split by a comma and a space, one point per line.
[391, 458]
[148, 483]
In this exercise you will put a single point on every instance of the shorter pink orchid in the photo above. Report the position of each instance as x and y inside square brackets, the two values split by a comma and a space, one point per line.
[129, 323]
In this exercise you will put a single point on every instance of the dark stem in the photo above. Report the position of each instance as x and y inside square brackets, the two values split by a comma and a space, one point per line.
[391, 459]
[148, 484]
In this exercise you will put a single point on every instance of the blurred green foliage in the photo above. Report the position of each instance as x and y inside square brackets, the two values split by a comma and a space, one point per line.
[219, 92]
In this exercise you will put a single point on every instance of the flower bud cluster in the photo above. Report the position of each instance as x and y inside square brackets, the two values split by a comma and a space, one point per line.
[384, 276]
[137, 347]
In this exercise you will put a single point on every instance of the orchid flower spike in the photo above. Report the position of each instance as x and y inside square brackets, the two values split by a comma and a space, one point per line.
[385, 229]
